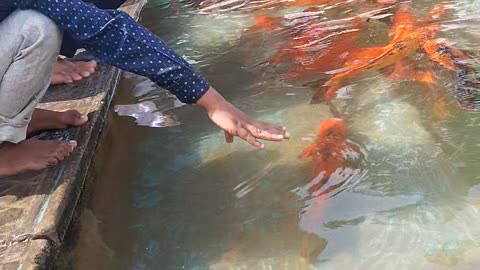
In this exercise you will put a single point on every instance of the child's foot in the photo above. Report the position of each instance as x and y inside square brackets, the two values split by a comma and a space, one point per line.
[67, 71]
[32, 155]
[45, 120]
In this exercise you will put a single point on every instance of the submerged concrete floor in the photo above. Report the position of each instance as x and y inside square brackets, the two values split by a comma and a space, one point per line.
[36, 208]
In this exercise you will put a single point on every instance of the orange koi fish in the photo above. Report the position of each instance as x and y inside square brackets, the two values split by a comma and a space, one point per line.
[372, 59]
[332, 56]
[407, 41]
[330, 151]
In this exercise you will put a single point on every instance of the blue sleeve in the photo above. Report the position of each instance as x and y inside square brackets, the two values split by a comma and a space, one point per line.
[116, 38]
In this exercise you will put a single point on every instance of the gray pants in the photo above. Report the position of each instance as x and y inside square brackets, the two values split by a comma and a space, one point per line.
[29, 47]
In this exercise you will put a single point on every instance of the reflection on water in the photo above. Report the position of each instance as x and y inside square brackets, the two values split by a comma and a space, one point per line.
[392, 185]
[153, 104]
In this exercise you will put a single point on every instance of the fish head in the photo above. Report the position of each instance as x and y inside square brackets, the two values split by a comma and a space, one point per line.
[330, 136]
[332, 128]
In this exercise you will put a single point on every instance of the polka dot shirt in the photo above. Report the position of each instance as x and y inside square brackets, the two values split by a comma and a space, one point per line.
[116, 38]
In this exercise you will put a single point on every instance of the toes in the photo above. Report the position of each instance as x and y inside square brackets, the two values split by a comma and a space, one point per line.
[52, 162]
[68, 71]
[60, 153]
[76, 77]
[66, 78]
[60, 78]
[65, 150]
[61, 150]
[73, 118]
[85, 74]
[84, 69]
[73, 144]
[92, 64]
[57, 151]
[69, 147]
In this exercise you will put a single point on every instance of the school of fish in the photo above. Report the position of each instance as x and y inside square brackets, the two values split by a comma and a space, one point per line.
[328, 54]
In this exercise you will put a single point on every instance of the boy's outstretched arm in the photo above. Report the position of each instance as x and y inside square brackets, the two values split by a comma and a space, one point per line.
[117, 39]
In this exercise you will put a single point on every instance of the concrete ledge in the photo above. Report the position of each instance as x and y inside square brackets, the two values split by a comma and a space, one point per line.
[36, 208]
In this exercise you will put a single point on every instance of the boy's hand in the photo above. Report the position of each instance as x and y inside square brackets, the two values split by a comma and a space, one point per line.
[236, 123]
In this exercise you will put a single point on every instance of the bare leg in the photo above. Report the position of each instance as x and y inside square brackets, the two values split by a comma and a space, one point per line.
[26, 66]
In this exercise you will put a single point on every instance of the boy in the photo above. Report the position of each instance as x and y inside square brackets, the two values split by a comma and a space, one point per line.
[30, 40]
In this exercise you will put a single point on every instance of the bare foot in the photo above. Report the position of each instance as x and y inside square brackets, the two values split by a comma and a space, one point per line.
[45, 120]
[32, 155]
[67, 71]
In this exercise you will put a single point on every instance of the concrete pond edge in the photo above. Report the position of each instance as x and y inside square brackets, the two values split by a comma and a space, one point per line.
[36, 209]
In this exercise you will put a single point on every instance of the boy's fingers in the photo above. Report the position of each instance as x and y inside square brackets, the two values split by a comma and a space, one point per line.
[248, 137]
[268, 133]
[276, 129]
[228, 137]
[280, 129]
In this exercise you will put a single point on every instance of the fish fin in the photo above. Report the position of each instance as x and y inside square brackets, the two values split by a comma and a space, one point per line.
[404, 23]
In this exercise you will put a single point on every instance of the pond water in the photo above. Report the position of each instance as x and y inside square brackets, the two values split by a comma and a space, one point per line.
[170, 194]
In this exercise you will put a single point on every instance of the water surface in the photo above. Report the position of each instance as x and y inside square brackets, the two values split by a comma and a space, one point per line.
[170, 194]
